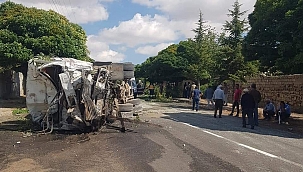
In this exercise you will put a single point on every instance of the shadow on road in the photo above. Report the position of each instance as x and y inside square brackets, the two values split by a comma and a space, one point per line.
[13, 103]
[22, 123]
[205, 120]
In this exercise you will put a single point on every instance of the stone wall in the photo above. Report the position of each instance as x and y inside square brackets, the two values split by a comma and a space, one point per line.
[288, 88]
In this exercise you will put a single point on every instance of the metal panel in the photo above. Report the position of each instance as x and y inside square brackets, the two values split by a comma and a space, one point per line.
[117, 71]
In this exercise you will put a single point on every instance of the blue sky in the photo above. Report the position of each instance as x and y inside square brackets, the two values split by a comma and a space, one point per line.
[133, 30]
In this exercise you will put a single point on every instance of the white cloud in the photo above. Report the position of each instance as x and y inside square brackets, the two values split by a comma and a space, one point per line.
[149, 33]
[140, 30]
[214, 11]
[77, 11]
[100, 51]
[152, 50]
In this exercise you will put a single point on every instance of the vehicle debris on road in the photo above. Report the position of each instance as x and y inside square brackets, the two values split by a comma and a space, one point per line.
[69, 94]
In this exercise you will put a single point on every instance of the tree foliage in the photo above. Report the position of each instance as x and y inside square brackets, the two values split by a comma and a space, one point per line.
[26, 32]
[166, 66]
[208, 57]
[234, 66]
[276, 36]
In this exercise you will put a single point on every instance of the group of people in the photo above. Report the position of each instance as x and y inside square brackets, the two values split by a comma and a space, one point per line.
[188, 89]
[249, 101]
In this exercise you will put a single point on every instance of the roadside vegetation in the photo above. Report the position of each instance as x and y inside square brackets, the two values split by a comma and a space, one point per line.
[268, 41]
[28, 32]
[20, 111]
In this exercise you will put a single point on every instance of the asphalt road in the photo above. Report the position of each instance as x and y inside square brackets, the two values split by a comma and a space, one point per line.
[169, 138]
[223, 142]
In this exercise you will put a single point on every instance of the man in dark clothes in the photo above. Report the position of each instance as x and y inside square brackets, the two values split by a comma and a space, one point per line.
[196, 98]
[188, 90]
[257, 97]
[248, 105]
[185, 90]
[218, 97]
[284, 111]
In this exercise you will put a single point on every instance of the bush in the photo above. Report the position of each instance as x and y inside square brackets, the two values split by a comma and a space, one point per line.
[20, 111]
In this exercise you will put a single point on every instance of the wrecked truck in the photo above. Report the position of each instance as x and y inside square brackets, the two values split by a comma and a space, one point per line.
[70, 94]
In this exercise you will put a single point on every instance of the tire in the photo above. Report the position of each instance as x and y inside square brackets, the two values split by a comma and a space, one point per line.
[135, 101]
[128, 107]
[128, 67]
[110, 120]
[129, 74]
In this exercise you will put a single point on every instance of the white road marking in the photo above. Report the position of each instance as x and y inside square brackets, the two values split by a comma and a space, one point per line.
[243, 145]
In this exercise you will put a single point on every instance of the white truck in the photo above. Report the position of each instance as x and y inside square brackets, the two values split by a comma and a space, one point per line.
[69, 94]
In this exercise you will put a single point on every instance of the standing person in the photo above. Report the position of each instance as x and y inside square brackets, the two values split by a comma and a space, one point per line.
[237, 96]
[151, 90]
[269, 110]
[188, 90]
[225, 93]
[248, 104]
[218, 97]
[192, 88]
[257, 97]
[185, 90]
[209, 92]
[196, 98]
[161, 88]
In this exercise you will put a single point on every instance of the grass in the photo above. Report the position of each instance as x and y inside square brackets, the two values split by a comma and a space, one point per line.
[156, 99]
[20, 111]
[137, 119]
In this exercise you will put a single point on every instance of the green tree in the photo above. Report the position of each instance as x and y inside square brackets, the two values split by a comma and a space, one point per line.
[200, 30]
[203, 51]
[237, 26]
[275, 38]
[230, 61]
[26, 32]
[166, 66]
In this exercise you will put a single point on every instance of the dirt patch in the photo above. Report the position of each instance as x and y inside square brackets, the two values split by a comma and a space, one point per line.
[59, 152]
[7, 107]
[25, 164]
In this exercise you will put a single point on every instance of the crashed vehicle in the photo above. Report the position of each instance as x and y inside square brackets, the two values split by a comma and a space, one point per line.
[69, 94]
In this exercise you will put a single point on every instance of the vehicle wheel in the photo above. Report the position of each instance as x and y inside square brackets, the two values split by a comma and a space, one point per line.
[128, 107]
[135, 101]
[128, 67]
[129, 74]
[110, 120]
[96, 124]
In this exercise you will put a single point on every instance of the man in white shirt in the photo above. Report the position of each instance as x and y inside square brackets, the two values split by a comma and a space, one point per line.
[192, 88]
[218, 98]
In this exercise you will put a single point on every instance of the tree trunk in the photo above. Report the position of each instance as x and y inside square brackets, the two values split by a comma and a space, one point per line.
[234, 84]
[198, 84]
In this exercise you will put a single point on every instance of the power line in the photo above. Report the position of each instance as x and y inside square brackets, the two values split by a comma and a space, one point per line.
[73, 12]
[52, 6]
[56, 6]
